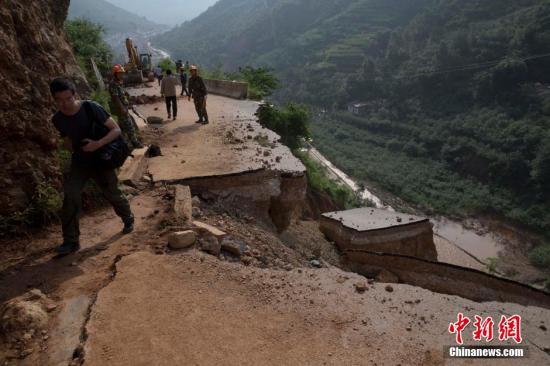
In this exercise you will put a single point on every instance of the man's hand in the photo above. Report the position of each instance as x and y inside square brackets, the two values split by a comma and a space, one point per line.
[91, 145]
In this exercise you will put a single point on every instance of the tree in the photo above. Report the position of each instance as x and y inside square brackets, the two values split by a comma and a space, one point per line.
[261, 80]
[87, 41]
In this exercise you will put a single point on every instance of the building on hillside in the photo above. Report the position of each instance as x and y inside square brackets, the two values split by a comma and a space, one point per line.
[381, 231]
[358, 108]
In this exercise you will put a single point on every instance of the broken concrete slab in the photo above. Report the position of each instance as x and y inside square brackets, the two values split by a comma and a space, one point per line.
[209, 229]
[183, 206]
[140, 122]
[134, 168]
[182, 239]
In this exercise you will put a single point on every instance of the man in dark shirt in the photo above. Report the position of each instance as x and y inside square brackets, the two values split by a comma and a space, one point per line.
[198, 91]
[75, 126]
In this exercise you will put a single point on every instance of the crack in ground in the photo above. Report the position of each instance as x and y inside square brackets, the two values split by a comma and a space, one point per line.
[79, 354]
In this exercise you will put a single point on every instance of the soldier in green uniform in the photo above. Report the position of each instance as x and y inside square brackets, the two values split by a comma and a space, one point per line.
[119, 107]
[198, 91]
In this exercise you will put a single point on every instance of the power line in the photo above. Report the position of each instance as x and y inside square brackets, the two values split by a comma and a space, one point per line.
[470, 66]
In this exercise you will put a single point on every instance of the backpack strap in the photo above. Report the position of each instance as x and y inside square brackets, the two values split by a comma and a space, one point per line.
[91, 117]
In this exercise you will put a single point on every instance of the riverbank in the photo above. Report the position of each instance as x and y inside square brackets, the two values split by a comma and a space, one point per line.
[489, 244]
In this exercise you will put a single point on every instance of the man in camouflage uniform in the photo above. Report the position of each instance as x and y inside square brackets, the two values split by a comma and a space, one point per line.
[198, 91]
[119, 107]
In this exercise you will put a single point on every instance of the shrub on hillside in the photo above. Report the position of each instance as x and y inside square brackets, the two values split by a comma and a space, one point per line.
[540, 256]
[291, 122]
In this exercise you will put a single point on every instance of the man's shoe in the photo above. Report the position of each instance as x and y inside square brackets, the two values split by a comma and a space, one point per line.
[67, 248]
[198, 121]
[128, 226]
[169, 116]
[173, 119]
[205, 122]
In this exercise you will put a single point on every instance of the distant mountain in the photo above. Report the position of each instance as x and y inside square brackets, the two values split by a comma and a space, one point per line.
[288, 34]
[456, 105]
[170, 12]
[115, 20]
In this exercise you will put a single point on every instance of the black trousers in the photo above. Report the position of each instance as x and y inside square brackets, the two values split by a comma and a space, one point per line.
[172, 101]
[74, 183]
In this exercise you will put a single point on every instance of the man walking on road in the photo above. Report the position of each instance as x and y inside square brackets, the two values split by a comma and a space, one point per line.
[120, 108]
[168, 91]
[198, 91]
[74, 120]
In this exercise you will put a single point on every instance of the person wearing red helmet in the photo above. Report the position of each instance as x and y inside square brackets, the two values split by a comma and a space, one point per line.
[119, 107]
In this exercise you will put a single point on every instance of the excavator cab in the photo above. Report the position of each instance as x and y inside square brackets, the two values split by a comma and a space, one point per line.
[147, 66]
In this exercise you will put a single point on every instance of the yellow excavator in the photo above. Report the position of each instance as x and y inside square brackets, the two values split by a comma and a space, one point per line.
[139, 67]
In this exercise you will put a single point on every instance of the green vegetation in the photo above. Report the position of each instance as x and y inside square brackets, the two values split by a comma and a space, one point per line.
[540, 256]
[319, 181]
[114, 19]
[291, 122]
[43, 208]
[261, 81]
[457, 117]
[87, 41]
[492, 265]
[167, 64]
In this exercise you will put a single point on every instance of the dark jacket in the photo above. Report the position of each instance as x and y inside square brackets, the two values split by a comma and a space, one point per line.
[197, 89]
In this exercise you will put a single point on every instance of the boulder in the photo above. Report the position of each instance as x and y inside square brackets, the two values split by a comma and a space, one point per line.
[210, 244]
[182, 239]
[22, 316]
[234, 246]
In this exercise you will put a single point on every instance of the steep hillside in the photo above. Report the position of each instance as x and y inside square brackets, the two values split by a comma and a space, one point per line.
[35, 50]
[457, 109]
[170, 12]
[113, 18]
[285, 33]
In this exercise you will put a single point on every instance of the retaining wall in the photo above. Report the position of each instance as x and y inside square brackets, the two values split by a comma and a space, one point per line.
[231, 89]
[447, 278]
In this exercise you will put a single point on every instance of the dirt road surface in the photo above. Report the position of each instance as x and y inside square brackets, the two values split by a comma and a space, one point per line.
[129, 300]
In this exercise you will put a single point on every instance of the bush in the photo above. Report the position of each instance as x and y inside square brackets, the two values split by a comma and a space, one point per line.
[291, 122]
[540, 256]
[261, 80]
[167, 64]
[43, 209]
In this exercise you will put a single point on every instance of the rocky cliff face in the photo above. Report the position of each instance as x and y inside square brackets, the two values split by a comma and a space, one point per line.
[34, 50]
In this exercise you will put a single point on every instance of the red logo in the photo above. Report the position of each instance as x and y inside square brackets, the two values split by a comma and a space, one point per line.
[508, 328]
[459, 326]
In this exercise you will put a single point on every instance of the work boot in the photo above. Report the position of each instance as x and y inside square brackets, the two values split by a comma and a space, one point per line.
[128, 226]
[67, 248]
